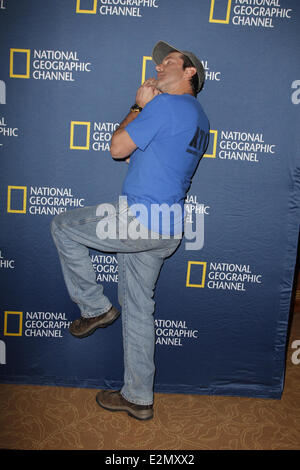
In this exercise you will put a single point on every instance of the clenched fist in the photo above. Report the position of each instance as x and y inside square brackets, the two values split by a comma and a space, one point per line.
[146, 92]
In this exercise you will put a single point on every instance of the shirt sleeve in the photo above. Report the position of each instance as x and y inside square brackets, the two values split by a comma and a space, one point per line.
[154, 119]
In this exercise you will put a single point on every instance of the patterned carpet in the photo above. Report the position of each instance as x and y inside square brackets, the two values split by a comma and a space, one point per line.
[35, 417]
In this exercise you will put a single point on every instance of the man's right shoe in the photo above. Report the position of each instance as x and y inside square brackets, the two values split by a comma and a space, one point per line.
[84, 326]
[112, 400]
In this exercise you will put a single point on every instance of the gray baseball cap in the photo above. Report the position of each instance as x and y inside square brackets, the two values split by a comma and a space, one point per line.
[162, 49]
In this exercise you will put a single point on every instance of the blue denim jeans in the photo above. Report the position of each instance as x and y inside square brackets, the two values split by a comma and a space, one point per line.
[139, 262]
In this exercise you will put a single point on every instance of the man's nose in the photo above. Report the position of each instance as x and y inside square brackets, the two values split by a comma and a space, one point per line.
[158, 68]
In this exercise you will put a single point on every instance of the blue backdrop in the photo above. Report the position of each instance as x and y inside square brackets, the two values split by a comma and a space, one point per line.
[69, 73]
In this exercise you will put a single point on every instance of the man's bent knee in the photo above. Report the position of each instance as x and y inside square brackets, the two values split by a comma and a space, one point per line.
[57, 221]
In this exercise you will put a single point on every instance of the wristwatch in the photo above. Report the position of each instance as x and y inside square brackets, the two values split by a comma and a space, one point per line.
[136, 108]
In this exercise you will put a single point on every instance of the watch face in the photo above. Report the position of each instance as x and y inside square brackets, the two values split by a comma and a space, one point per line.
[136, 108]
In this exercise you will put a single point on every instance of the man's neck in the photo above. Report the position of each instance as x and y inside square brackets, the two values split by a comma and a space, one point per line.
[184, 89]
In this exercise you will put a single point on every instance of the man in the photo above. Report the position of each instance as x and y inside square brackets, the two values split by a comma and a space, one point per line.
[163, 138]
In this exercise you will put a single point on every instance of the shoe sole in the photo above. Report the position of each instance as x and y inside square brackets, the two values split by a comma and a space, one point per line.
[125, 410]
[90, 332]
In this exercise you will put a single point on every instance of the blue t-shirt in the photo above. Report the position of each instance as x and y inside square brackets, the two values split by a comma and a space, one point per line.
[171, 135]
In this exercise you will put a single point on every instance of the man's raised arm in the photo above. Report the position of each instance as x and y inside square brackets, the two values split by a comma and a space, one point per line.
[121, 143]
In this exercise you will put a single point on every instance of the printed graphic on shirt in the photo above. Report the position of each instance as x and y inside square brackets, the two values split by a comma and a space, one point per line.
[199, 143]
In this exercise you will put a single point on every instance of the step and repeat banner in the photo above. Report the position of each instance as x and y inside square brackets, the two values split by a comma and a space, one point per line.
[69, 71]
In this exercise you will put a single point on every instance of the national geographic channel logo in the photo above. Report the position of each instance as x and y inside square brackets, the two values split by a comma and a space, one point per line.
[219, 275]
[6, 130]
[85, 135]
[35, 324]
[42, 200]
[105, 267]
[246, 146]
[173, 332]
[193, 207]
[134, 8]
[249, 13]
[46, 64]
[6, 263]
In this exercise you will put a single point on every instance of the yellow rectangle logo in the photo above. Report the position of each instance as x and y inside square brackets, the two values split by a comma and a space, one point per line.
[93, 11]
[18, 332]
[202, 274]
[17, 188]
[11, 63]
[215, 20]
[88, 131]
[214, 152]
[145, 59]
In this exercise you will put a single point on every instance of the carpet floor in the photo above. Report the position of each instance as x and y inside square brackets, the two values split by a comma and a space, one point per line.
[48, 418]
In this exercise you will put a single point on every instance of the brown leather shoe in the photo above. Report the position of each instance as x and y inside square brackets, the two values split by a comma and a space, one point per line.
[83, 327]
[114, 401]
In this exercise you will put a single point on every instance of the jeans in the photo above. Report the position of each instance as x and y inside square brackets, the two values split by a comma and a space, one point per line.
[139, 262]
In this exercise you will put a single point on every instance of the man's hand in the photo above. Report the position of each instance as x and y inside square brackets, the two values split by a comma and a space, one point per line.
[146, 92]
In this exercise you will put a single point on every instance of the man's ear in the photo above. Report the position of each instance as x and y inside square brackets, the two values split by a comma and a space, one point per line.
[190, 71]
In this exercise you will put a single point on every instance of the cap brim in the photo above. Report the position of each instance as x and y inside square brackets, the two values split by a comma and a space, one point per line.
[161, 50]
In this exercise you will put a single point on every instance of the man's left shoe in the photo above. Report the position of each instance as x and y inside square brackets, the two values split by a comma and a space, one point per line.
[84, 326]
[113, 401]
